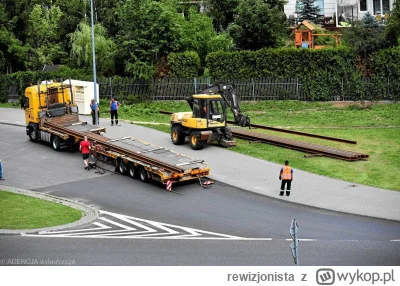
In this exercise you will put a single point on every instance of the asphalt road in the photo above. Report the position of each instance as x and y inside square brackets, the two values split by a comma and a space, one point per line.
[259, 224]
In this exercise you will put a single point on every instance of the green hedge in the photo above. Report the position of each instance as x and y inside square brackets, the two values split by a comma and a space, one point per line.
[183, 65]
[324, 73]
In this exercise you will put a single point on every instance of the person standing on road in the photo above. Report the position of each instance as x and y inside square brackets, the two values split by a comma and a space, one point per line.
[95, 110]
[286, 175]
[114, 106]
[84, 147]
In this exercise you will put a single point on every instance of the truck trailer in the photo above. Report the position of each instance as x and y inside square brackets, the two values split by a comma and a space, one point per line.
[51, 116]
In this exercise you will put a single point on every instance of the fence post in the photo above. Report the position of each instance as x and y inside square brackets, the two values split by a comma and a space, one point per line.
[253, 92]
[195, 84]
[342, 89]
[297, 89]
[111, 89]
[388, 88]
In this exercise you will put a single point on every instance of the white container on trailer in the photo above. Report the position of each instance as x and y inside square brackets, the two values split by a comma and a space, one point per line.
[82, 94]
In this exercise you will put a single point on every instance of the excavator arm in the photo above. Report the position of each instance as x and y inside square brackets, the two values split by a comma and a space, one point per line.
[231, 99]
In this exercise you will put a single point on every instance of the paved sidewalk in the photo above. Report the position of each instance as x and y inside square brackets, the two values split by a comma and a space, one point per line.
[261, 176]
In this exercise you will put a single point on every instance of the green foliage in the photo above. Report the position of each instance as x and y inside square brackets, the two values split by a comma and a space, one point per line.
[183, 65]
[222, 12]
[42, 32]
[81, 51]
[393, 25]
[258, 25]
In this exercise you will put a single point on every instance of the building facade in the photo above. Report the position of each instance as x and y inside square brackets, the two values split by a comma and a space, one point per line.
[347, 8]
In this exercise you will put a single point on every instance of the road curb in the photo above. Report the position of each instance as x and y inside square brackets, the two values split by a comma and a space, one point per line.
[11, 123]
[89, 214]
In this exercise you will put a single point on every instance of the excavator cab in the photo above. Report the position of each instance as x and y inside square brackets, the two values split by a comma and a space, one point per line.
[213, 110]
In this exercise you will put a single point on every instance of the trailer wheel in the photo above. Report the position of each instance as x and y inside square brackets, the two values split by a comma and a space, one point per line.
[195, 140]
[55, 142]
[143, 174]
[33, 135]
[177, 135]
[121, 167]
[132, 171]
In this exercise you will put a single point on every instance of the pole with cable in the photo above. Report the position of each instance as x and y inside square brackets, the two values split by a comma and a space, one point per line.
[94, 63]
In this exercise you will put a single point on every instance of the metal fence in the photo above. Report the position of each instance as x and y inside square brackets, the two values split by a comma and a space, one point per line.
[248, 89]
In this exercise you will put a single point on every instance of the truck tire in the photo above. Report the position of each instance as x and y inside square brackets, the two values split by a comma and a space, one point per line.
[33, 134]
[195, 140]
[227, 133]
[143, 174]
[55, 142]
[132, 171]
[177, 135]
[121, 167]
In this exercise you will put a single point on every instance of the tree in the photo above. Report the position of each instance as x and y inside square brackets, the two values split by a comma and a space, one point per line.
[257, 25]
[81, 48]
[43, 36]
[199, 35]
[148, 30]
[309, 11]
[12, 52]
[393, 25]
[222, 12]
[369, 21]
[364, 40]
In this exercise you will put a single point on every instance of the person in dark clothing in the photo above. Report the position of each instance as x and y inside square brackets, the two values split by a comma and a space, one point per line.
[114, 106]
[286, 175]
[95, 110]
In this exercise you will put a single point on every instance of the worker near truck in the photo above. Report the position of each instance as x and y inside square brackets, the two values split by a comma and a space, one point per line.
[84, 147]
[95, 110]
[114, 106]
[286, 175]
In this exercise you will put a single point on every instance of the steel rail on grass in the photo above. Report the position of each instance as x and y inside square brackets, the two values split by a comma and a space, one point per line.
[286, 131]
[299, 133]
[299, 146]
[101, 140]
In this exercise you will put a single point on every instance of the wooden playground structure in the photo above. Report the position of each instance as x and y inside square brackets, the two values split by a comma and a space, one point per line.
[305, 38]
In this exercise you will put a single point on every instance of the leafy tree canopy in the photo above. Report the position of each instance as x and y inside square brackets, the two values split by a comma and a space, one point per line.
[81, 52]
[257, 25]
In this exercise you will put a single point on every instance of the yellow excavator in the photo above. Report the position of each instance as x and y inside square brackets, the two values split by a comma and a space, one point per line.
[207, 121]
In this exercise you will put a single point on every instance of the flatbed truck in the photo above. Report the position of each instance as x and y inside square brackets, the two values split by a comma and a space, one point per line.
[51, 116]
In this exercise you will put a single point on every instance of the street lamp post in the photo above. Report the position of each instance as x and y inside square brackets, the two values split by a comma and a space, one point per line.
[94, 61]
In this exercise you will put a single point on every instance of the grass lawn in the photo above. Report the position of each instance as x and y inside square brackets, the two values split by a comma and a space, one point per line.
[24, 212]
[376, 130]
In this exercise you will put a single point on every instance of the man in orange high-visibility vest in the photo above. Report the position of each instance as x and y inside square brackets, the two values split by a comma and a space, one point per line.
[286, 175]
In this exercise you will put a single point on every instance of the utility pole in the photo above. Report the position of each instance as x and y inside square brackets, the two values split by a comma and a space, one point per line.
[94, 62]
[295, 245]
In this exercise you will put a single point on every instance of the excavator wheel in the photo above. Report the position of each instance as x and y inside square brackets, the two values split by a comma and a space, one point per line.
[227, 133]
[195, 140]
[177, 135]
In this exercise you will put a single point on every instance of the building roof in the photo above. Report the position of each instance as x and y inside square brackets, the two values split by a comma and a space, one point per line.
[51, 68]
[307, 24]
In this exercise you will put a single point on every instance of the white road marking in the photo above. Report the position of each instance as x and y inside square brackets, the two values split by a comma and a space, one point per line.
[395, 240]
[144, 229]
[118, 224]
[301, 239]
